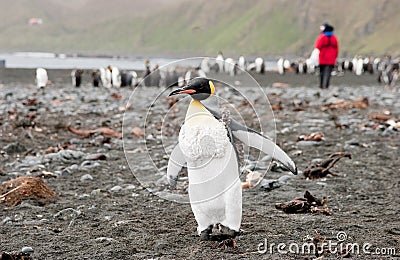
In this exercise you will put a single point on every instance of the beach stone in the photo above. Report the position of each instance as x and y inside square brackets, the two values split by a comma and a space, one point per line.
[162, 181]
[316, 160]
[116, 189]
[65, 156]
[269, 185]
[14, 148]
[104, 239]
[27, 249]
[130, 187]
[96, 156]
[353, 142]
[83, 196]
[90, 164]
[87, 177]
[283, 179]
[308, 143]
[6, 220]
[95, 192]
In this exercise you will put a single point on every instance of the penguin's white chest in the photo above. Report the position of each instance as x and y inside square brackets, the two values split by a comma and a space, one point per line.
[199, 142]
[202, 136]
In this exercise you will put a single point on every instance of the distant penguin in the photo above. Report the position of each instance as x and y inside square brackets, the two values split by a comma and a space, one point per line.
[76, 77]
[205, 65]
[354, 62]
[230, 67]
[96, 78]
[42, 78]
[126, 79]
[205, 143]
[279, 64]
[220, 62]
[171, 78]
[301, 67]
[348, 65]
[181, 81]
[260, 65]
[360, 67]
[108, 77]
[310, 66]
[155, 77]
[147, 74]
[134, 81]
[368, 65]
[242, 63]
[193, 73]
[376, 63]
[103, 77]
[116, 77]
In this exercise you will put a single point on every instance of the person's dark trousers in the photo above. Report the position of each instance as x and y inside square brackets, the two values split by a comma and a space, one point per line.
[325, 74]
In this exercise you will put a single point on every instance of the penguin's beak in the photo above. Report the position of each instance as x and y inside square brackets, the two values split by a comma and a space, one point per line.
[184, 90]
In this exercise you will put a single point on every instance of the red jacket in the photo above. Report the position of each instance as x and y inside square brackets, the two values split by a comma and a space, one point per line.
[328, 49]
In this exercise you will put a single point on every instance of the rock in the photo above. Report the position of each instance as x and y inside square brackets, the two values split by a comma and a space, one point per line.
[163, 181]
[116, 189]
[353, 142]
[89, 164]
[323, 184]
[67, 171]
[249, 167]
[87, 177]
[6, 220]
[269, 185]
[27, 249]
[283, 179]
[104, 239]
[96, 156]
[95, 192]
[297, 153]
[130, 187]
[65, 156]
[75, 141]
[308, 143]
[14, 148]
[83, 196]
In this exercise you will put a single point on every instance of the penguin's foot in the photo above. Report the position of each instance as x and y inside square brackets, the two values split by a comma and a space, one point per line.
[230, 233]
[205, 235]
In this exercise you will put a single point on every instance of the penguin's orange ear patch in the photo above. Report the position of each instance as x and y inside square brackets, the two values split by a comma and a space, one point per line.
[212, 87]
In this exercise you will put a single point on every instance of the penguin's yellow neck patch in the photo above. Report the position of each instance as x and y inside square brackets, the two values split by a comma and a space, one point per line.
[212, 87]
[196, 103]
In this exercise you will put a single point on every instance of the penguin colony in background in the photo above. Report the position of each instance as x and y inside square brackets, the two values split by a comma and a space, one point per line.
[205, 144]
[231, 66]
[386, 68]
[107, 77]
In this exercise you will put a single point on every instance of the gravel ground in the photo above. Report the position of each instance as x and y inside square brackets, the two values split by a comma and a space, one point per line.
[108, 207]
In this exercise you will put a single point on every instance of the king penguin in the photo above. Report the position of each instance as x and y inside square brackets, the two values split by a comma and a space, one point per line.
[205, 144]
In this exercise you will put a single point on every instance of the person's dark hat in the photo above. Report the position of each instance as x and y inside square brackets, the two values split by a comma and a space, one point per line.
[326, 27]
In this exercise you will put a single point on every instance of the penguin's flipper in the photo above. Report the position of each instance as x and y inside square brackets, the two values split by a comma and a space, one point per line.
[254, 139]
[175, 164]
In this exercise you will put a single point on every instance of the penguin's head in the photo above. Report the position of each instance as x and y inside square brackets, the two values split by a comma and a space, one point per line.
[197, 88]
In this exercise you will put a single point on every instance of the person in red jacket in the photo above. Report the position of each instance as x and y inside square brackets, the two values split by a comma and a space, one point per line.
[328, 47]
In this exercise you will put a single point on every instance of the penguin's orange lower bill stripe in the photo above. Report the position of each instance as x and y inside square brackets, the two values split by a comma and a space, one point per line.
[188, 91]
